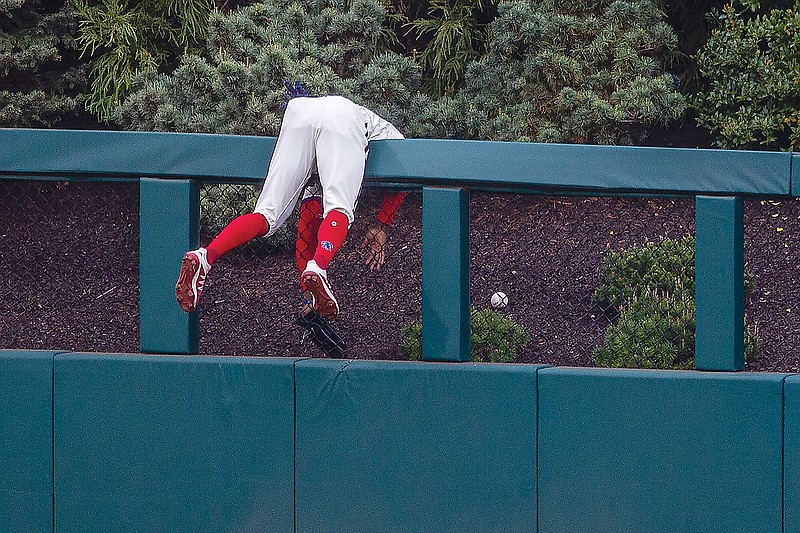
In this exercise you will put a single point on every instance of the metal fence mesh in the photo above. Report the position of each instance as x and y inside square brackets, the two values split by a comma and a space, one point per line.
[547, 254]
[584, 277]
[69, 265]
[252, 297]
[772, 310]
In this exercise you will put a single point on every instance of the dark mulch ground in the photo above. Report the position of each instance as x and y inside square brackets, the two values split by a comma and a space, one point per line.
[69, 270]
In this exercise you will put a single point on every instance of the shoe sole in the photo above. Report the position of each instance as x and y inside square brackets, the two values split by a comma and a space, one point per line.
[324, 302]
[184, 291]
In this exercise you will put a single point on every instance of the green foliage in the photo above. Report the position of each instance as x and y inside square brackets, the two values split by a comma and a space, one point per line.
[128, 36]
[751, 65]
[575, 71]
[649, 291]
[654, 329]
[39, 75]
[455, 38]
[657, 268]
[495, 337]
[238, 88]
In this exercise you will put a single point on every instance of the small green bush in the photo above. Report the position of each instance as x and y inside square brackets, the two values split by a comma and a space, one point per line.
[653, 330]
[495, 337]
[649, 293]
[654, 267]
[751, 65]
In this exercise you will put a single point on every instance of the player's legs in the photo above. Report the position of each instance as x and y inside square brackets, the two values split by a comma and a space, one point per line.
[241, 230]
[340, 152]
[289, 169]
[341, 155]
[341, 148]
[292, 163]
[196, 263]
[307, 228]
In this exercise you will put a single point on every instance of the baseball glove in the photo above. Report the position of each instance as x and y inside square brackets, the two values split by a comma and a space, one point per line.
[323, 335]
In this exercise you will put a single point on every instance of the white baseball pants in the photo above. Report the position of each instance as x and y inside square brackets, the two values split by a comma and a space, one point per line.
[326, 135]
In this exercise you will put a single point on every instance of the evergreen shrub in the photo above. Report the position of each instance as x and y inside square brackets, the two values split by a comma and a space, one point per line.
[577, 71]
[124, 37]
[649, 293]
[495, 337]
[40, 78]
[236, 86]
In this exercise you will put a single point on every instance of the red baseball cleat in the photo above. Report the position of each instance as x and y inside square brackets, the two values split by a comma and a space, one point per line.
[194, 268]
[315, 281]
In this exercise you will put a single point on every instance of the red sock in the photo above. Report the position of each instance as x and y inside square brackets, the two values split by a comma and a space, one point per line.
[241, 230]
[307, 228]
[330, 237]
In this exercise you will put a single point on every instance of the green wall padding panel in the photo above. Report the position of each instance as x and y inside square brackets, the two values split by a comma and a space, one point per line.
[650, 451]
[445, 275]
[178, 444]
[414, 447]
[26, 440]
[792, 455]
[795, 177]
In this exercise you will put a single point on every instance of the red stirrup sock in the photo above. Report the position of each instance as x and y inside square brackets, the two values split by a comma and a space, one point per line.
[241, 230]
[307, 228]
[330, 237]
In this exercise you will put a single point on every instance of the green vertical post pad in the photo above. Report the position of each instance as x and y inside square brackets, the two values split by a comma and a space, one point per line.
[719, 288]
[168, 227]
[445, 275]
[179, 444]
[26, 441]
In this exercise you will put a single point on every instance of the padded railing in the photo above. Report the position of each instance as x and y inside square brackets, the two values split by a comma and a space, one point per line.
[171, 166]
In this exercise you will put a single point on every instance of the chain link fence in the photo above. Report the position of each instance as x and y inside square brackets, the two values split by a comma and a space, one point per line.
[586, 280]
[252, 297]
[69, 265]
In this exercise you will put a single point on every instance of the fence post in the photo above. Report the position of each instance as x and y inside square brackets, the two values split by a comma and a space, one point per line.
[445, 275]
[169, 212]
[719, 271]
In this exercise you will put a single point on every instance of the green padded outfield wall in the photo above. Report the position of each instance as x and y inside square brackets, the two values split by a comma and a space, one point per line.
[791, 507]
[415, 447]
[26, 441]
[659, 451]
[168, 443]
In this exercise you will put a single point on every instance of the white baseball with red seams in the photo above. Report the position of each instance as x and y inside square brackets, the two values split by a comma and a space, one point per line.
[325, 135]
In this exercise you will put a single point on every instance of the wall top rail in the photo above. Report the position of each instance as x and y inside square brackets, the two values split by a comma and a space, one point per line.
[483, 164]
[589, 168]
[129, 153]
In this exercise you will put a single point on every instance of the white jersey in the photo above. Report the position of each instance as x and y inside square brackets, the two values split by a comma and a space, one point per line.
[378, 129]
[328, 136]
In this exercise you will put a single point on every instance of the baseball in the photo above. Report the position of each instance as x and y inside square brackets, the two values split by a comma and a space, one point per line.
[499, 300]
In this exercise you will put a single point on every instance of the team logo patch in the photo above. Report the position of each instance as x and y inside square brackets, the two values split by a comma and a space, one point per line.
[326, 245]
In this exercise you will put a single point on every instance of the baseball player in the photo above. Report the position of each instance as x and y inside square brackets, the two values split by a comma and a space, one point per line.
[327, 137]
